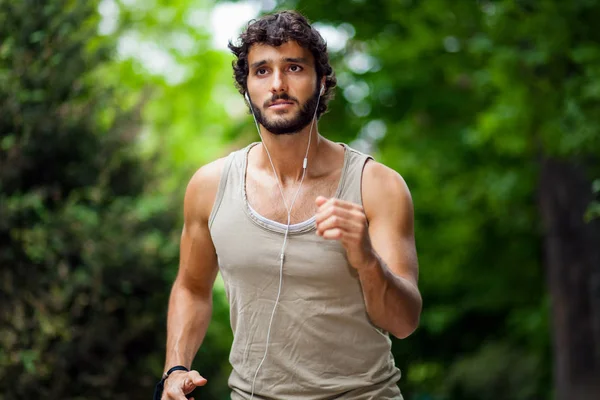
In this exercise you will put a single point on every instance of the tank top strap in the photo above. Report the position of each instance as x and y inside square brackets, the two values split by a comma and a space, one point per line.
[230, 183]
[351, 185]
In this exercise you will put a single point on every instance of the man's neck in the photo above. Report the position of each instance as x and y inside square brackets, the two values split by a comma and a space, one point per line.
[288, 151]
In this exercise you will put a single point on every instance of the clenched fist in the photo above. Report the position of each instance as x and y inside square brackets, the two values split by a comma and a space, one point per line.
[344, 221]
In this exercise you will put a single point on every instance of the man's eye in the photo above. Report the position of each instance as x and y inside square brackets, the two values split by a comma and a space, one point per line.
[261, 71]
[295, 68]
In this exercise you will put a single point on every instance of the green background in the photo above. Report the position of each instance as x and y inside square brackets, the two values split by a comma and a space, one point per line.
[484, 107]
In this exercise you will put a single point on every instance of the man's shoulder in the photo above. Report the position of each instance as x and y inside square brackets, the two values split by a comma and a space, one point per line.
[210, 174]
[207, 175]
[382, 184]
[201, 190]
[379, 173]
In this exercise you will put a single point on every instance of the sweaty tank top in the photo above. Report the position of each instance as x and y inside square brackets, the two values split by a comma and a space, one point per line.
[322, 344]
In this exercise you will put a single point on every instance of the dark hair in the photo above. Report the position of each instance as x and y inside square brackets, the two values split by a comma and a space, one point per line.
[275, 30]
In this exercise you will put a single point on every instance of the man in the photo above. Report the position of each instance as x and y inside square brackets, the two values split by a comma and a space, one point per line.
[314, 241]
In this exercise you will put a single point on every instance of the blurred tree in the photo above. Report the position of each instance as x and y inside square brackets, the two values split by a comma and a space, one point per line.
[489, 109]
[88, 247]
[166, 45]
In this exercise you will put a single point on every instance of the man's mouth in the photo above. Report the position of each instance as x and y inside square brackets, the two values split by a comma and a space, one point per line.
[281, 104]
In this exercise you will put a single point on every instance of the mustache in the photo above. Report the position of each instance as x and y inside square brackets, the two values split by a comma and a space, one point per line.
[282, 96]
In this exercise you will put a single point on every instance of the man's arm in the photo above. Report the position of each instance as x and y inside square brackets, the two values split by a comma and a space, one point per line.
[190, 303]
[380, 245]
[389, 282]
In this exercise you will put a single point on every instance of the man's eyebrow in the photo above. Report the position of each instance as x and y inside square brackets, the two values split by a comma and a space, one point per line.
[297, 60]
[258, 64]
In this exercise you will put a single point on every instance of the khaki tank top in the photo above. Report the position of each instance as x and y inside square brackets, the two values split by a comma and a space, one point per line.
[322, 343]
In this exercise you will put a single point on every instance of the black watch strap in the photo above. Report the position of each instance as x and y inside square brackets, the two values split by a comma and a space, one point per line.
[158, 390]
[175, 368]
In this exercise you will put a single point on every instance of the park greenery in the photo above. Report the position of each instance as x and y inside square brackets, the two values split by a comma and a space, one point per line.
[490, 110]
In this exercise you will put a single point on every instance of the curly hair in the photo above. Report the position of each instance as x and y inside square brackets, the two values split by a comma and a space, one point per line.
[275, 30]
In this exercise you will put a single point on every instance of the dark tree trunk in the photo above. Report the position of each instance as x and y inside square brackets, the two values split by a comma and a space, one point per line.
[572, 262]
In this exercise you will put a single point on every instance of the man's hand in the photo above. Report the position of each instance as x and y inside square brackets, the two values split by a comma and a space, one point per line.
[344, 221]
[180, 383]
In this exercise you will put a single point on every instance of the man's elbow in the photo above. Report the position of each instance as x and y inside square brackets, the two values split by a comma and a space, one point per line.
[190, 290]
[408, 322]
[405, 328]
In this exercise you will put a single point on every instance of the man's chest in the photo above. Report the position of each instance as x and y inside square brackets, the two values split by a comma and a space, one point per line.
[265, 197]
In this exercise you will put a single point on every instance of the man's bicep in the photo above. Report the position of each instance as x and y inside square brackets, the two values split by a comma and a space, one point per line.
[396, 250]
[198, 260]
[198, 265]
[389, 209]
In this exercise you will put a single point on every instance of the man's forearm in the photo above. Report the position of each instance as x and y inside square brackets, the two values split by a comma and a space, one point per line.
[393, 303]
[187, 321]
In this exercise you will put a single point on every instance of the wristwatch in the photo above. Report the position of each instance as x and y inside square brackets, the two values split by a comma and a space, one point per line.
[158, 390]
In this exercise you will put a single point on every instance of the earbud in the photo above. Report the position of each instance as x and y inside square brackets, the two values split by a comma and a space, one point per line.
[246, 96]
[322, 89]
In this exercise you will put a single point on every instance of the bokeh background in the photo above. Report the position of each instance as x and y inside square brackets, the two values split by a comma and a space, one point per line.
[489, 109]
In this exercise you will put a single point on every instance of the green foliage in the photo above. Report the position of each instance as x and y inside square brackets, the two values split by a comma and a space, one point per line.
[188, 102]
[87, 252]
[462, 98]
[509, 374]
[89, 229]
[594, 208]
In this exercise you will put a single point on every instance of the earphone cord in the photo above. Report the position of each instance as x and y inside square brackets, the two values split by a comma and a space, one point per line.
[289, 217]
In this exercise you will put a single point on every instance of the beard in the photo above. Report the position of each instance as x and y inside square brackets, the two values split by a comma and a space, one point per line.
[295, 123]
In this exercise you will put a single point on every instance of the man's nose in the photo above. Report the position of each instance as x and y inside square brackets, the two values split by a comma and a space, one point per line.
[279, 83]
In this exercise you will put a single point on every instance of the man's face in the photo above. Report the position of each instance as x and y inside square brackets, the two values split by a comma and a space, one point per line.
[282, 86]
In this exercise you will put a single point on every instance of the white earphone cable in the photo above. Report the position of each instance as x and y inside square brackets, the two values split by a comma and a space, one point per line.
[289, 217]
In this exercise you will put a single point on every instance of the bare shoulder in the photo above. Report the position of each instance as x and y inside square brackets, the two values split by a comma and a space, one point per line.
[202, 189]
[384, 191]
